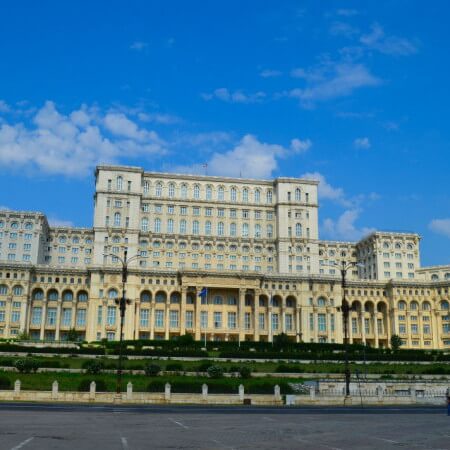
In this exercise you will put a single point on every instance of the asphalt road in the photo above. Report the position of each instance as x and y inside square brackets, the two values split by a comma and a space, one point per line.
[33, 426]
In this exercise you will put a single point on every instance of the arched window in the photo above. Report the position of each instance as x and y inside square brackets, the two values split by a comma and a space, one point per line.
[112, 293]
[435, 277]
[3, 289]
[196, 191]
[409, 246]
[52, 295]
[414, 306]
[17, 290]
[447, 276]
[233, 194]
[144, 224]
[116, 239]
[297, 195]
[444, 305]
[195, 227]
[160, 297]
[158, 189]
[245, 195]
[117, 219]
[208, 228]
[321, 302]
[257, 196]
[269, 231]
[146, 187]
[298, 230]
[157, 227]
[218, 300]
[398, 245]
[28, 226]
[171, 190]
[14, 225]
[146, 297]
[426, 306]
[82, 296]
[220, 229]
[269, 196]
[183, 226]
[245, 229]
[257, 230]
[67, 296]
[232, 229]
[175, 297]
[170, 226]
[402, 305]
[220, 193]
[184, 190]
[38, 294]
[119, 183]
[209, 192]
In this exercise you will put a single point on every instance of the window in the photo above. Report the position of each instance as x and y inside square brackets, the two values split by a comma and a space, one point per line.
[51, 316]
[208, 228]
[66, 317]
[15, 316]
[158, 190]
[274, 321]
[245, 195]
[170, 226]
[298, 230]
[209, 192]
[233, 194]
[245, 229]
[220, 193]
[144, 224]
[220, 229]
[159, 318]
[257, 196]
[17, 290]
[203, 319]
[247, 320]
[183, 191]
[119, 183]
[269, 231]
[157, 227]
[196, 191]
[297, 195]
[231, 320]
[269, 196]
[232, 229]
[111, 316]
[288, 322]
[173, 319]
[257, 230]
[321, 322]
[354, 325]
[195, 227]
[189, 319]
[36, 315]
[183, 226]
[117, 219]
[81, 317]
[262, 321]
[3, 289]
[217, 319]
[171, 190]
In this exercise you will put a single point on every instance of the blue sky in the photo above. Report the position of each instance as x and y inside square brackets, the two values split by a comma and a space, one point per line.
[353, 93]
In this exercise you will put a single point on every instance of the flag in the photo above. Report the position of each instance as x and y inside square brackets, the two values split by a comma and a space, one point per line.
[203, 292]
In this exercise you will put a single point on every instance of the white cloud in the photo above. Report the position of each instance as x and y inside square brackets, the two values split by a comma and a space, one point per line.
[347, 12]
[389, 45]
[440, 226]
[164, 119]
[238, 96]
[268, 73]
[249, 158]
[343, 29]
[299, 146]
[362, 143]
[73, 144]
[344, 227]
[4, 107]
[138, 46]
[325, 190]
[331, 80]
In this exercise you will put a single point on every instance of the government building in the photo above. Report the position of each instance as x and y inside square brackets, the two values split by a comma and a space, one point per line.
[252, 244]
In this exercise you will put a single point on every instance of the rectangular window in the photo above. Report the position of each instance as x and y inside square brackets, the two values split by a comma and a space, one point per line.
[217, 319]
[311, 321]
[275, 321]
[2, 316]
[189, 319]
[81, 317]
[67, 317]
[247, 320]
[426, 329]
[111, 316]
[15, 316]
[143, 317]
[51, 316]
[36, 315]
[332, 324]
[402, 328]
[414, 328]
[380, 326]
[231, 320]
[262, 321]
[367, 326]
[204, 319]
[354, 325]
[322, 322]
[288, 320]
[173, 319]
[159, 318]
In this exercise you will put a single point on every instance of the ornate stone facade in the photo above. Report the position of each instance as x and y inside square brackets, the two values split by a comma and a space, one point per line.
[253, 244]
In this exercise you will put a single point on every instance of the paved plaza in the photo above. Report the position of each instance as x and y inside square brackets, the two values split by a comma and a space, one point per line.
[33, 427]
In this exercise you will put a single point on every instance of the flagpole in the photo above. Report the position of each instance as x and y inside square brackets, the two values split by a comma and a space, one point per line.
[206, 309]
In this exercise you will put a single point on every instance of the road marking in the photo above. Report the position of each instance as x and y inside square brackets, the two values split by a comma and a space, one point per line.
[22, 444]
[387, 440]
[124, 443]
[179, 423]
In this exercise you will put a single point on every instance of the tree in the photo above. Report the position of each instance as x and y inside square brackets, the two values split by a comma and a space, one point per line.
[72, 335]
[282, 340]
[186, 340]
[396, 342]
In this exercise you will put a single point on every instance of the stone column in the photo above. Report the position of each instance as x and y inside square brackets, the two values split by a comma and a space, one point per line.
[183, 312]
[58, 320]
[241, 314]
[43, 319]
[241, 392]
[363, 327]
[375, 328]
[137, 319]
[408, 329]
[316, 326]
[269, 320]
[166, 317]
[435, 328]
[8, 316]
[152, 318]
[197, 324]
[204, 391]
[328, 325]
[420, 327]
[129, 390]
[256, 316]
[54, 390]
[167, 392]
[283, 314]
[350, 328]
[297, 324]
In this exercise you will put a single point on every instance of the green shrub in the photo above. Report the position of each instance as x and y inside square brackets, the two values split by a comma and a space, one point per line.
[94, 366]
[26, 365]
[245, 372]
[174, 367]
[204, 366]
[215, 372]
[85, 385]
[5, 382]
[152, 370]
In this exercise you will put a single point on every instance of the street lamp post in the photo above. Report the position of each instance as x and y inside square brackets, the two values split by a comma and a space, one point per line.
[122, 302]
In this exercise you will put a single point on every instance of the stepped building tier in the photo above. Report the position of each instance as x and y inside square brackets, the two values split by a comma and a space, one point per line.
[253, 244]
